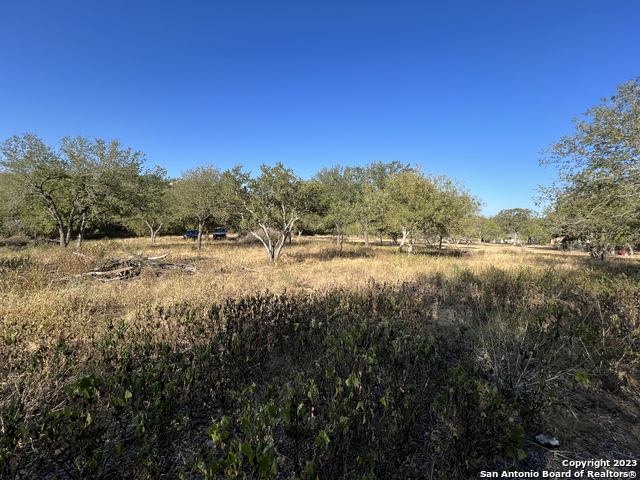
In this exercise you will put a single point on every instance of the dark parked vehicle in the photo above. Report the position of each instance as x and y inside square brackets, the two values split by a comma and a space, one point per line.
[190, 234]
[219, 233]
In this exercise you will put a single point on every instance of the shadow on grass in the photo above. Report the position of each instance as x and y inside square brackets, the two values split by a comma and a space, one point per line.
[615, 266]
[322, 380]
[436, 252]
[333, 252]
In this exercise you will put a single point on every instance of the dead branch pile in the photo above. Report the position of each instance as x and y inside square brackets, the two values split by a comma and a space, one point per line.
[118, 268]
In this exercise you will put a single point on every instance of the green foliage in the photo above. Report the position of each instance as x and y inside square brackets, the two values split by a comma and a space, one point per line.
[205, 195]
[87, 182]
[274, 202]
[370, 208]
[151, 208]
[433, 205]
[486, 229]
[355, 195]
[596, 196]
[338, 198]
[519, 223]
[85, 179]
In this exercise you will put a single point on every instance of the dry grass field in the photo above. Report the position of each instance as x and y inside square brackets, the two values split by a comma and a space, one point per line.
[227, 269]
[215, 363]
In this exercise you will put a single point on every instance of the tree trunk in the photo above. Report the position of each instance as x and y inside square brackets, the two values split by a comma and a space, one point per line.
[366, 237]
[83, 225]
[153, 237]
[280, 244]
[154, 232]
[62, 236]
[67, 237]
[404, 238]
[410, 247]
[266, 241]
[269, 248]
[200, 228]
[339, 237]
[600, 254]
[440, 246]
[53, 211]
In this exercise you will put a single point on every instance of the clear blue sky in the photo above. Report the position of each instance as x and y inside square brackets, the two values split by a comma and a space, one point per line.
[470, 89]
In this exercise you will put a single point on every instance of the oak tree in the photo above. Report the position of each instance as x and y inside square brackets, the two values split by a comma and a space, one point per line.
[596, 197]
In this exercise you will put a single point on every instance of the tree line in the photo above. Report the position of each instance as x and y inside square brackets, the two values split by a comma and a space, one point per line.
[86, 184]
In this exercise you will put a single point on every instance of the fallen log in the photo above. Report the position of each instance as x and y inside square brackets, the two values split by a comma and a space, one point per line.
[158, 258]
[110, 272]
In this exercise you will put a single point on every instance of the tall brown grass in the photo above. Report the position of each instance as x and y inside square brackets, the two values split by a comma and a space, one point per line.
[42, 291]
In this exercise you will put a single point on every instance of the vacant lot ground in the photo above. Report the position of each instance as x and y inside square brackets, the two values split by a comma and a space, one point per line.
[333, 364]
[227, 269]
